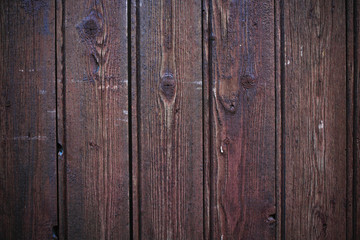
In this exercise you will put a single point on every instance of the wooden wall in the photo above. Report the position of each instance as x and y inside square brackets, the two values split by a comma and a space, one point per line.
[166, 119]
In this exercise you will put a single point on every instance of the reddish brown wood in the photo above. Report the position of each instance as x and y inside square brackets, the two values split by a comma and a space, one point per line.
[170, 120]
[135, 117]
[60, 95]
[96, 146]
[242, 120]
[207, 137]
[279, 154]
[28, 120]
[356, 119]
[173, 119]
[350, 119]
[315, 119]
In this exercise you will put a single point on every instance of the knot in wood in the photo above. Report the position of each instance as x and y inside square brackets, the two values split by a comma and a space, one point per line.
[90, 27]
[248, 81]
[230, 102]
[168, 86]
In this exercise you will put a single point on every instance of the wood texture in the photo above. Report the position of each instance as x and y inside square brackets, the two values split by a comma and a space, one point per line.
[356, 119]
[350, 213]
[242, 120]
[170, 120]
[315, 119]
[279, 117]
[165, 119]
[28, 202]
[96, 146]
[135, 117]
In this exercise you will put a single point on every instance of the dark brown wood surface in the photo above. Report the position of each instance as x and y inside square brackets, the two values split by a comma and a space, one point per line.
[314, 63]
[350, 107]
[165, 119]
[28, 202]
[242, 121]
[356, 119]
[96, 150]
[169, 116]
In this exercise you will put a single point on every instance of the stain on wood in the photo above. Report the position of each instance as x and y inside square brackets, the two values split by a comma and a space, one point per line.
[28, 195]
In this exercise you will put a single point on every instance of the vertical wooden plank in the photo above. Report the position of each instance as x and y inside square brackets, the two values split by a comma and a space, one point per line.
[279, 154]
[96, 112]
[356, 119]
[315, 119]
[28, 120]
[242, 74]
[349, 118]
[170, 120]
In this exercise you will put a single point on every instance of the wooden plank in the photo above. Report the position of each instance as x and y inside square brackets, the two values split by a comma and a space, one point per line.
[349, 118]
[242, 89]
[170, 120]
[356, 119]
[315, 119]
[96, 149]
[28, 120]
[279, 153]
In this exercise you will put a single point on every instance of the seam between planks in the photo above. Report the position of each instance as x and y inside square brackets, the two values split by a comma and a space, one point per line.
[63, 71]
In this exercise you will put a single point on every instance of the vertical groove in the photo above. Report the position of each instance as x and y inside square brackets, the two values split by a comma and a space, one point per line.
[282, 93]
[211, 158]
[355, 121]
[130, 121]
[138, 114]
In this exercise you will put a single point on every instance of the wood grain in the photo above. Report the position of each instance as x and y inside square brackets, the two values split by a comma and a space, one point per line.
[279, 119]
[315, 119]
[242, 121]
[28, 202]
[356, 119]
[96, 149]
[165, 119]
[170, 159]
[350, 206]
[135, 117]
